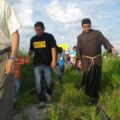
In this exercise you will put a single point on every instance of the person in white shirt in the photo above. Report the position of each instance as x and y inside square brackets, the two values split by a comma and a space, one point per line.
[9, 42]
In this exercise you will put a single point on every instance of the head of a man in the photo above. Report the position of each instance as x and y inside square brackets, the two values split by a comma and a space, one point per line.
[75, 48]
[86, 25]
[39, 28]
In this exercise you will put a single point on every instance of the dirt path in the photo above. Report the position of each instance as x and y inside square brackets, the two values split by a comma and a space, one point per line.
[33, 113]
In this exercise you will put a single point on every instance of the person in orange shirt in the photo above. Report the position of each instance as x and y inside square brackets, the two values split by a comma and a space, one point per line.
[17, 76]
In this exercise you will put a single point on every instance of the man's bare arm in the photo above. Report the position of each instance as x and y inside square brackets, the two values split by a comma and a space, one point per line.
[30, 53]
[29, 56]
[15, 45]
[54, 58]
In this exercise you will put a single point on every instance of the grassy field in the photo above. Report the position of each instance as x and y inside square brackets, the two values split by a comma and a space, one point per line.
[69, 102]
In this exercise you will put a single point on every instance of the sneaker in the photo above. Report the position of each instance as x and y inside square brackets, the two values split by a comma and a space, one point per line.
[42, 105]
[48, 97]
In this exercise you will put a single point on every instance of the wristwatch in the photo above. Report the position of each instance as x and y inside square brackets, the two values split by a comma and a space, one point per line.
[13, 58]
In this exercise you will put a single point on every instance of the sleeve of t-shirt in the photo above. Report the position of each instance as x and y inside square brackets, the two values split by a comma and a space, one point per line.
[53, 42]
[31, 45]
[11, 19]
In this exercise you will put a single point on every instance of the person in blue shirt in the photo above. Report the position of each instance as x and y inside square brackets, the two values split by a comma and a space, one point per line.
[60, 63]
[73, 57]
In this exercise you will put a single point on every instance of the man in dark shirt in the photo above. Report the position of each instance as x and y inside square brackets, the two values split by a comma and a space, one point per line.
[43, 45]
[89, 48]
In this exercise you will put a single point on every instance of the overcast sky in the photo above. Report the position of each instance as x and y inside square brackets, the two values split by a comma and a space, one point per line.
[63, 18]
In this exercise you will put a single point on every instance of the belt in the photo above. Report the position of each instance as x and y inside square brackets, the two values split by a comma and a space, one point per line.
[92, 60]
[91, 67]
[5, 50]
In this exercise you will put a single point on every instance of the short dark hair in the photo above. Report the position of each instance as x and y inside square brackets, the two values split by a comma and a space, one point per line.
[59, 49]
[74, 47]
[86, 21]
[39, 24]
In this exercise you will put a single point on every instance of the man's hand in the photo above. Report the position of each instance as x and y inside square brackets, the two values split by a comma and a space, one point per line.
[10, 67]
[114, 51]
[27, 59]
[79, 64]
[53, 64]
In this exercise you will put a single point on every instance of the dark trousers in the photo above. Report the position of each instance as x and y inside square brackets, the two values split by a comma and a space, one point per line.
[6, 90]
[91, 81]
[60, 71]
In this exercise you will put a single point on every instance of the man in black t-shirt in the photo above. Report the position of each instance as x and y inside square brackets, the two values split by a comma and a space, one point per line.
[43, 45]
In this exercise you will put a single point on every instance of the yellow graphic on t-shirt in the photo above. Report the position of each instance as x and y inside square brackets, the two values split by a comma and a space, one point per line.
[41, 44]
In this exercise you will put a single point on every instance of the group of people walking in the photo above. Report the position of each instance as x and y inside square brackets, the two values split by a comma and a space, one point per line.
[44, 48]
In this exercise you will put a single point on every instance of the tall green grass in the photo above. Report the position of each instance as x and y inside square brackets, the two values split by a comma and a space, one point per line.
[69, 102]
[74, 105]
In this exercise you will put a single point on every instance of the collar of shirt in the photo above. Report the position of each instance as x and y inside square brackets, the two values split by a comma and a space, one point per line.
[88, 32]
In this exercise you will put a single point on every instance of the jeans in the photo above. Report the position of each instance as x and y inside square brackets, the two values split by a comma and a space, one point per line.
[43, 81]
[60, 70]
[17, 88]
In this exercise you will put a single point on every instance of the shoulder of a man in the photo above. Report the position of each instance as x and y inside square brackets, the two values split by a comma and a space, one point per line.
[8, 7]
[4, 2]
[11, 19]
[50, 38]
[79, 36]
[49, 35]
[96, 31]
[4, 5]
[33, 38]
